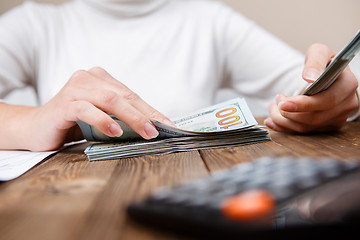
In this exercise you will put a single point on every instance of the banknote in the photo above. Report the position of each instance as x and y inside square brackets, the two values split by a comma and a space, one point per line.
[227, 116]
[335, 68]
[118, 150]
[230, 123]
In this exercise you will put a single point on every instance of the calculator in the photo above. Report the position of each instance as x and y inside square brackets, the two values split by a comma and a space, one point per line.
[269, 195]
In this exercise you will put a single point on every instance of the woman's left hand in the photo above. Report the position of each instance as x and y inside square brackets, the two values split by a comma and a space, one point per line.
[325, 111]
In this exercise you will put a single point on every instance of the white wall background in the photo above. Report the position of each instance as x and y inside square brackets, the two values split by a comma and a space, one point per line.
[298, 22]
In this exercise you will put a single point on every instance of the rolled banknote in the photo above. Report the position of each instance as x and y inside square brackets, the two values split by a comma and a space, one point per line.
[227, 116]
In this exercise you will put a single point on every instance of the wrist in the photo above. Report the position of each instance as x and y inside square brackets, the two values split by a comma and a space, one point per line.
[16, 126]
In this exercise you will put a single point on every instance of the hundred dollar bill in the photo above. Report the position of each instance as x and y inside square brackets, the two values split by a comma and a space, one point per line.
[126, 149]
[227, 116]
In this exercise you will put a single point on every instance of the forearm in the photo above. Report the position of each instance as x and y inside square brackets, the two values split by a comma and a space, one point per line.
[15, 130]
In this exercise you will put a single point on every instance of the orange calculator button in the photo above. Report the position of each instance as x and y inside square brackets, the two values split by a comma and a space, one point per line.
[248, 205]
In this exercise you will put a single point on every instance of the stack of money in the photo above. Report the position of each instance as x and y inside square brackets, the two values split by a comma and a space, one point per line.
[227, 124]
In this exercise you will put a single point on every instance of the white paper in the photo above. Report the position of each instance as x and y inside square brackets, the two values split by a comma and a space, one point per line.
[15, 163]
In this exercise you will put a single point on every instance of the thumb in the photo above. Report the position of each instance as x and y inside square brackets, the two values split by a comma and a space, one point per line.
[318, 56]
[311, 74]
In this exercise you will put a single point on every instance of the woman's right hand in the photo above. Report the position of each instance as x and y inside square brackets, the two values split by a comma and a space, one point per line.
[90, 96]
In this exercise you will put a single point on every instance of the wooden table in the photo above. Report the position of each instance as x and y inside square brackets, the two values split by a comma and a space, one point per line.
[68, 197]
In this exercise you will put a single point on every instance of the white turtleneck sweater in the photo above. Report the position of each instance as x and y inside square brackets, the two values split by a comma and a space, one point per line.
[178, 55]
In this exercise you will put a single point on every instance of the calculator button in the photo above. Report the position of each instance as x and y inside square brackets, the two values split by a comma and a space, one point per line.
[248, 206]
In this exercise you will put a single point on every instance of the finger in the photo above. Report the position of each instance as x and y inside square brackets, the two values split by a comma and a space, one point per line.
[280, 98]
[86, 112]
[282, 124]
[151, 112]
[318, 56]
[103, 75]
[336, 125]
[138, 103]
[309, 118]
[93, 79]
[321, 117]
[108, 97]
[113, 103]
[344, 88]
[270, 124]
[132, 98]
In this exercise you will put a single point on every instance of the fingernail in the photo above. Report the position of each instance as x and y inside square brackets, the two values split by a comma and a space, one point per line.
[269, 123]
[287, 106]
[277, 99]
[170, 123]
[311, 74]
[151, 131]
[116, 130]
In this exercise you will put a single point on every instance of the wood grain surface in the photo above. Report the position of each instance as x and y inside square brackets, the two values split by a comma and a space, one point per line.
[68, 197]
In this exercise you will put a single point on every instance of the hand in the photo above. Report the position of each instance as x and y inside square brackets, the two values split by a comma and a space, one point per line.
[325, 111]
[90, 96]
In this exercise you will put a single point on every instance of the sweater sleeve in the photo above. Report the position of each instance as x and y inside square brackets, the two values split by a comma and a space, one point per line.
[16, 50]
[355, 68]
[258, 65]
